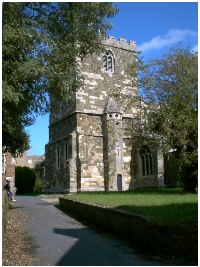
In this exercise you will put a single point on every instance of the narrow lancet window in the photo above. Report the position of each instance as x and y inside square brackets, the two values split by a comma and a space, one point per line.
[68, 150]
[58, 157]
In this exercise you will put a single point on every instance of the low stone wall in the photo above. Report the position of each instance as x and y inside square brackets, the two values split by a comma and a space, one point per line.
[123, 223]
[138, 229]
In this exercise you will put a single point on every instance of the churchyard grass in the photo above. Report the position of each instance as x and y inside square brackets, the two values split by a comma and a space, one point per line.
[163, 206]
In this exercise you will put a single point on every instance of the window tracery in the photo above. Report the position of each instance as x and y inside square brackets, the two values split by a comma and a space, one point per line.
[146, 157]
[108, 62]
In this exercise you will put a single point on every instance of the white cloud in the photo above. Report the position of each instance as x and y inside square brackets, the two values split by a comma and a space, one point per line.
[171, 37]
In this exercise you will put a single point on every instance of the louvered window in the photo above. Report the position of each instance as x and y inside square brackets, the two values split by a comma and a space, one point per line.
[108, 62]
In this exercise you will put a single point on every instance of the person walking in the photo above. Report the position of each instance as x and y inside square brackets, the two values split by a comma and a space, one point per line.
[7, 186]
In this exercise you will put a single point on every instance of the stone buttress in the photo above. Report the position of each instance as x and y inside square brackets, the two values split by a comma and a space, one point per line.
[112, 147]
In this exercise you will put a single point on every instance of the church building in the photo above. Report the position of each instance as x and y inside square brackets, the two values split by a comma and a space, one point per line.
[90, 144]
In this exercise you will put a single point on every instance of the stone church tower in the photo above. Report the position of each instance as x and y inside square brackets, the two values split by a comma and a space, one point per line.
[90, 144]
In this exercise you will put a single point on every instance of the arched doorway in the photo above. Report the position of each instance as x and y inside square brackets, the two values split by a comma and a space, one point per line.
[119, 182]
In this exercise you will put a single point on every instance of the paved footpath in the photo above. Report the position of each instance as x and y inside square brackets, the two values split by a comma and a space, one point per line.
[59, 240]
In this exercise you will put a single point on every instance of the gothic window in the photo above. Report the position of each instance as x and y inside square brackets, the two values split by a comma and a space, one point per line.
[146, 157]
[108, 62]
[57, 157]
[68, 149]
[105, 62]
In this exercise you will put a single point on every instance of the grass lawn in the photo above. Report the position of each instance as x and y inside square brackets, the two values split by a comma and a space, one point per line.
[163, 206]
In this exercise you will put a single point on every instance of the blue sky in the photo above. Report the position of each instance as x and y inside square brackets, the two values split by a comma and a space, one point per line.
[154, 27]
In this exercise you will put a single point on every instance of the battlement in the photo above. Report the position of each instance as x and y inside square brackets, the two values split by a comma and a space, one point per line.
[121, 43]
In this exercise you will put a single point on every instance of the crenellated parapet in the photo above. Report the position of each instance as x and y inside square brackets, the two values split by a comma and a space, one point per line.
[121, 43]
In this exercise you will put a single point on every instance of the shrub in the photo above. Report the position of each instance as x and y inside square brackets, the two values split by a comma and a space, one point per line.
[38, 185]
[24, 180]
[39, 170]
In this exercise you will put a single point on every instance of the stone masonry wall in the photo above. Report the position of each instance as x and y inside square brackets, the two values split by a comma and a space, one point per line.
[113, 156]
[65, 176]
[101, 148]
[91, 160]
[28, 161]
[63, 128]
[99, 85]
[60, 110]
[90, 152]
[127, 170]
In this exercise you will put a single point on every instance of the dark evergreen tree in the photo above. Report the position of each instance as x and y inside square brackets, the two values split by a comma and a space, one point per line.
[24, 180]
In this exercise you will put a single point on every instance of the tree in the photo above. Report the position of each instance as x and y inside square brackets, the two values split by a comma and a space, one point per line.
[168, 89]
[39, 172]
[24, 180]
[41, 44]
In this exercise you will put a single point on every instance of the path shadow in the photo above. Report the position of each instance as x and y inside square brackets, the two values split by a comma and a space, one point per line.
[85, 250]
[76, 255]
[15, 207]
[46, 204]
[90, 250]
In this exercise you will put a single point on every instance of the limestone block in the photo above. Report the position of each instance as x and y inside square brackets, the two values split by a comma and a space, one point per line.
[93, 75]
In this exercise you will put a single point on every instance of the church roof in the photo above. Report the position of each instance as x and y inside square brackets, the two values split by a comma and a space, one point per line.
[111, 107]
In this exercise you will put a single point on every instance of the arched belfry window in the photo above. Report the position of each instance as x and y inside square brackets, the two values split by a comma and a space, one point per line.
[146, 157]
[108, 62]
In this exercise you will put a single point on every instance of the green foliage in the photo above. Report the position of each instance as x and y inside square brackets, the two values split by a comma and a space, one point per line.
[41, 45]
[168, 88]
[37, 186]
[39, 168]
[39, 171]
[24, 180]
[161, 205]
